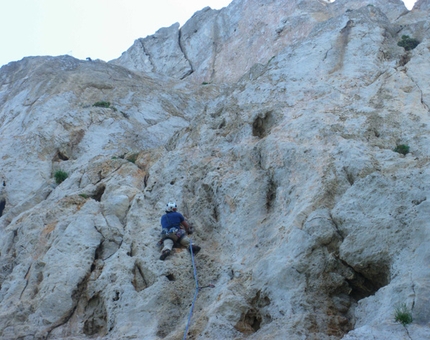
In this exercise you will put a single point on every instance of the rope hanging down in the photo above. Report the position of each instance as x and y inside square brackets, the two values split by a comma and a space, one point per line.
[196, 292]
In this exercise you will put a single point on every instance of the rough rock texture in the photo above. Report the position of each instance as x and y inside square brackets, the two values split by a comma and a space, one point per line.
[311, 225]
[220, 46]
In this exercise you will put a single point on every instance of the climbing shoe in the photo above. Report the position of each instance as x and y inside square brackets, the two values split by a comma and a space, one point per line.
[196, 249]
[164, 254]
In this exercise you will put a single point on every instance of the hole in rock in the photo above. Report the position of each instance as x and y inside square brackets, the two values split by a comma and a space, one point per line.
[99, 193]
[116, 297]
[249, 322]
[62, 156]
[262, 125]
[96, 317]
[170, 277]
[368, 281]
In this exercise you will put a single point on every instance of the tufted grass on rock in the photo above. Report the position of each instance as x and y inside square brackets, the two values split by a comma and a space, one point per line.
[102, 104]
[403, 315]
[402, 148]
[60, 176]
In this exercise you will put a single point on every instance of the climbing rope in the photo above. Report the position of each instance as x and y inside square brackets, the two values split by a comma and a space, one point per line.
[196, 292]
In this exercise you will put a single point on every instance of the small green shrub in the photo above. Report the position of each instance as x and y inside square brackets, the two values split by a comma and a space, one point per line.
[403, 315]
[132, 158]
[84, 195]
[102, 104]
[408, 43]
[402, 148]
[60, 176]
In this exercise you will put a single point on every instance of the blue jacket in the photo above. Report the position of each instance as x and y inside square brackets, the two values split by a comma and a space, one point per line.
[171, 219]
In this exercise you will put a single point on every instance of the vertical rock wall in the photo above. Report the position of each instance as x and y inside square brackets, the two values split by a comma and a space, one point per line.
[311, 224]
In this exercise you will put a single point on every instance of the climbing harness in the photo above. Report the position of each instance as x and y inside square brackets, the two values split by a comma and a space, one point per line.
[195, 292]
[174, 230]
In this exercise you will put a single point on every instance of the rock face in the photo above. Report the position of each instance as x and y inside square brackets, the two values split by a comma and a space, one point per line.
[311, 225]
[220, 46]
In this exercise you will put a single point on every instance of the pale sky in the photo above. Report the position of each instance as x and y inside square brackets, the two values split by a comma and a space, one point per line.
[100, 29]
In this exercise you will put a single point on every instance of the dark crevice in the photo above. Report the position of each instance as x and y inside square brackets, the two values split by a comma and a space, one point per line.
[99, 193]
[2, 206]
[404, 59]
[262, 125]
[368, 281]
[116, 297]
[107, 249]
[130, 252]
[62, 156]
[251, 320]
[215, 213]
[62, 322]
[139, 281]
[147, 54]
[254, 319]
[170, 277]
[99, 251]
[185, 55]
[349, 177]
[26, 280]
[339, 232]
[96, 317]
[414, 202]
[270, 193]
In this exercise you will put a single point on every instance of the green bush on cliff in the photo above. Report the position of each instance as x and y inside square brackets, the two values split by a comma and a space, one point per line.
[402, 148]
[408, 43]
[102, 104]
[60, 176]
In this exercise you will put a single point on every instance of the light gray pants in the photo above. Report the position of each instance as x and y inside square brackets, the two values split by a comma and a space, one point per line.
[171, 238]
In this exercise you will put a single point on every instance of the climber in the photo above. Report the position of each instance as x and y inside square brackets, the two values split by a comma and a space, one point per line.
[173, 225]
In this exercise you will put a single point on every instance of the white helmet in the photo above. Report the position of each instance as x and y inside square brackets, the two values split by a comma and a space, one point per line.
[170, 206]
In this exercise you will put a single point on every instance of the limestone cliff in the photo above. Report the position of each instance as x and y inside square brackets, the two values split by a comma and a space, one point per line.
[274, 125]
